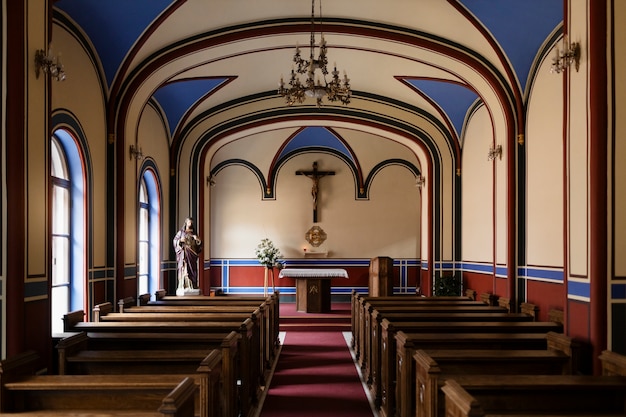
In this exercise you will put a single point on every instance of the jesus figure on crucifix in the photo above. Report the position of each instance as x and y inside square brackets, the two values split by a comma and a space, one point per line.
[315, 175]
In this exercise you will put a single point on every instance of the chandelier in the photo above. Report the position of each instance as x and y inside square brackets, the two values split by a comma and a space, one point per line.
[314, 85]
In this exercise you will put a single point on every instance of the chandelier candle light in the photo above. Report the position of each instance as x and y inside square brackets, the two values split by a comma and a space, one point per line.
[314, 86]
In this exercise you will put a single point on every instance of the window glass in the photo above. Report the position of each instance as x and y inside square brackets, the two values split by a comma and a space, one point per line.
[61, 237]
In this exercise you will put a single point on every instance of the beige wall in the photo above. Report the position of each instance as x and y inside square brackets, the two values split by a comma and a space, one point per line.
[619, 187]
[82, 95]
[477, 181]
[544, 171]
[388, 224]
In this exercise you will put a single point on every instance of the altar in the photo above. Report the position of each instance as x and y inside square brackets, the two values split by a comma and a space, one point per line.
[313, 287]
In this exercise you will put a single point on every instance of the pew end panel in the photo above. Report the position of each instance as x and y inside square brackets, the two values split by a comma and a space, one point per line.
[459, 403]
[70, 319]
[530, 309]
[143, 299]
[489, 299]
[180, 402]
[505, 303]
[124, 303]
[613, 363]
[101, 310]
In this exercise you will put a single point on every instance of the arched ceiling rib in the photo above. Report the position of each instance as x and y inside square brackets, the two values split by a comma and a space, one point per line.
[507, 34]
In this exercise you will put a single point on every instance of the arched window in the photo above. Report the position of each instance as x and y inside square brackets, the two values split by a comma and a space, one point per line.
[148, 243]
[67, 213]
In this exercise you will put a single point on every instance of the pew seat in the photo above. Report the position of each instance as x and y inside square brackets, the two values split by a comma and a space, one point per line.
[23, 390]
[213, 363]
[433, 367]
[535, 395]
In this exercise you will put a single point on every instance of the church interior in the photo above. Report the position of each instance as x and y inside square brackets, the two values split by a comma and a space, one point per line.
[474, 143]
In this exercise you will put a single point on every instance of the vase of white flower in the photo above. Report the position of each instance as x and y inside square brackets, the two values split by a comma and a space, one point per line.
[267, 254]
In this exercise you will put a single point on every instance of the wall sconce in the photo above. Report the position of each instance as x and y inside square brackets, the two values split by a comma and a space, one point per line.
[210, 181]
[135, 152]
[49, 64]
[494, 153]
[420, 181]
[565, 57]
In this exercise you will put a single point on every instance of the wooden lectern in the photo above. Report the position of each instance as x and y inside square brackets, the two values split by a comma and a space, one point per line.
[381, 277]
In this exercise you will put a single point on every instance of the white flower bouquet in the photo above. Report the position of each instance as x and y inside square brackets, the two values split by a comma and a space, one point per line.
[267, 253]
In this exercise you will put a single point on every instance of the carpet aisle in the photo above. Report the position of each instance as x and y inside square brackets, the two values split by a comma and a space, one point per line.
[316, 376]
[315, 373]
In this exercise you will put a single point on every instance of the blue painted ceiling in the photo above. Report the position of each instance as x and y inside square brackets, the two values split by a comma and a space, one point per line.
[519, 27]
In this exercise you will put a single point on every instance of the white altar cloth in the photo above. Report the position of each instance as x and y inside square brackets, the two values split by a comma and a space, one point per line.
[312, 273]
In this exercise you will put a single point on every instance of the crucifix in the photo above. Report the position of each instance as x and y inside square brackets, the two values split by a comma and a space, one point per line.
[315, 176]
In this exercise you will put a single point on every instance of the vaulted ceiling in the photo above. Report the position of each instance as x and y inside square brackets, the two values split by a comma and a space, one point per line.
[196, 58]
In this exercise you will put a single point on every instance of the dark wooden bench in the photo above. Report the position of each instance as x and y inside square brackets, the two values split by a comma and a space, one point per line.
[408, 344]
[212, 359]
[371, 363]
[434, 367]
[23, 391]
[267, 331]
[266, 353]
[364, 325]
[249, 342]
[369, 345]
[390, 362]
[269, 308]
[358, 300]
[535, 395]
[371, 370]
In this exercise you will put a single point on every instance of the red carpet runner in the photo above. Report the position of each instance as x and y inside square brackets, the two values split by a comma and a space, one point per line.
[315, 376]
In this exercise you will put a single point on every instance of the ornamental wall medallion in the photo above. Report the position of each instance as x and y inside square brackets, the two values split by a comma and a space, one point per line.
[315, 236]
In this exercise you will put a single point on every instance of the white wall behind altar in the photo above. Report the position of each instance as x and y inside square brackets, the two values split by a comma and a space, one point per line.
[386, 224]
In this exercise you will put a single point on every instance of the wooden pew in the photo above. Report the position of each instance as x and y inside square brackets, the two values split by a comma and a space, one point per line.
[269, 305]
[267, 346]
[272, 303]
[213, 360]
[371, 331]
[390, 361]
[268, 332]
[535, 395]
[264, 356]
[249, 343]
[24, 392]
[433, 304]
[372, 351]
[366, 304]
[357, 301]
[434, 367]
[408, 344]
[372, 355]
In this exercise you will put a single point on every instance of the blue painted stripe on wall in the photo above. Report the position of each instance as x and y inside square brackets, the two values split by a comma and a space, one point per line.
[478, 268]
[541, 273]
[292, 262]
[618, 291]
[579, 289]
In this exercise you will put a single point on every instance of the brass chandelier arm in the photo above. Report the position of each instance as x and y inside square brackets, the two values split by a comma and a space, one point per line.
[314, 86]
